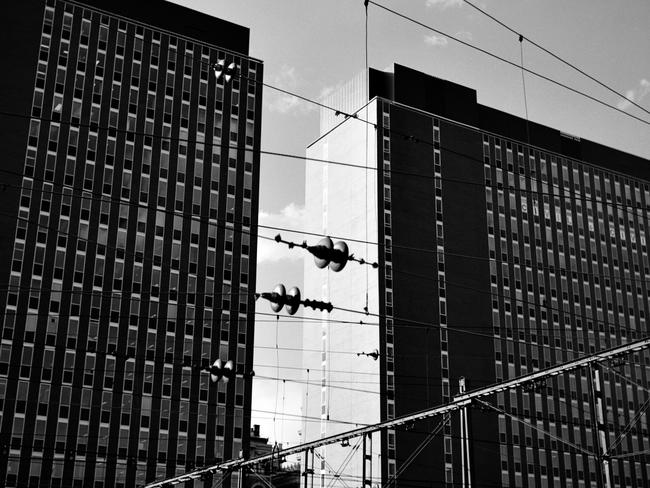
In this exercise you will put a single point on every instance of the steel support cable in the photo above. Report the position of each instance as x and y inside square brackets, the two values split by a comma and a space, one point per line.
[507, 61]
[177, 399]
[577, 448]
[114, 248]
[410, 483]
[344, 463]
[563, 193]
[329, 466]
[628, 428]
[52, 229]
[277, 368]
[626, 379]
[522, 300]
[636, 417]
[98, 436]
[630, 454]
[48, 438]
[298, 417]
[283, 413]
[556, 56]
[219, 481]
[523, 84]
[199, 374]
[286, 319]
[220, 225]
[416, 452]
[185, 56]
[410, 137]
[243, 292]
[412, 322]
[116, 294]
[264, 480]
[458, 402]
[289, 93]
[365, 175]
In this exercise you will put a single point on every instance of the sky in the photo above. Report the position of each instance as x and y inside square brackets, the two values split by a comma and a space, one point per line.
[311, 47]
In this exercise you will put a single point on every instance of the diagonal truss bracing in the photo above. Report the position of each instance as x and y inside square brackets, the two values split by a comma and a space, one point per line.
[457, 403]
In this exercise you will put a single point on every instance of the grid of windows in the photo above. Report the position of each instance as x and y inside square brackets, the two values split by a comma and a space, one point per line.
[569, 276]
[388, 294]
[442, 297]
[122, 272]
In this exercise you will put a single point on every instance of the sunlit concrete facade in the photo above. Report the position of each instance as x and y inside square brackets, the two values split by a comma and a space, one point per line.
[343, 390]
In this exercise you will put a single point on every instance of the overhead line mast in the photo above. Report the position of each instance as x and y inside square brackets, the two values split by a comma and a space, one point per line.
[459, 402]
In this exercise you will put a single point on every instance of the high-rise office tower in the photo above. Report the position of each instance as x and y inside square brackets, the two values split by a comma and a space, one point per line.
[129, 203]
[504, 247]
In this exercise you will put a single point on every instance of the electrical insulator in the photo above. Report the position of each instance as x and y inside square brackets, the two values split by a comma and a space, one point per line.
[328, 253]
[374, 354]
[280, 298]
[221, 371]
[220, 69]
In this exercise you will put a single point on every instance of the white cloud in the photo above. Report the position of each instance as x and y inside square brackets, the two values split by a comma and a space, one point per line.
[444, 3]
[434, 40]
[464, 35]
[290, 217]
[287, 79]
[635, 94]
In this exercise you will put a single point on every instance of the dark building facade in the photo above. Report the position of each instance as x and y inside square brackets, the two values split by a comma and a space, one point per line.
[129, 205]
[505, 247]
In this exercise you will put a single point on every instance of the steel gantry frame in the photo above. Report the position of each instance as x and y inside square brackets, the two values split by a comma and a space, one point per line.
[459, 402]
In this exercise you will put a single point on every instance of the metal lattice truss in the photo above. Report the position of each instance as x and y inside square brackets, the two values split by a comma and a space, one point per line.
[459, 402]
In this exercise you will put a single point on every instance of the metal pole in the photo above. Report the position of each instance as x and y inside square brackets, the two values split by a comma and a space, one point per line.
[367, 460]
[312, 467]
[602, 434]
[594, 418]
[306, 468]
[466, 478]
[457, 403]
[363, 462]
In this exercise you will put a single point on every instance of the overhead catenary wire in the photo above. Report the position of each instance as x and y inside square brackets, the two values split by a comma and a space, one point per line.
[285, 415]
[523, 84]
[562, 194]
[507, 61]
[124, 357]
[409, 137]
[464, 331]
[219, 224]
[556, 56]
[455, 38]
[272, 87]
[458, 402]
[315, 419]
[243, 77]
[287, 319]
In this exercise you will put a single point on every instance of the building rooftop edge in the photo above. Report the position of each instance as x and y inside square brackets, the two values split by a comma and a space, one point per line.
[95, 5]
[495, 133]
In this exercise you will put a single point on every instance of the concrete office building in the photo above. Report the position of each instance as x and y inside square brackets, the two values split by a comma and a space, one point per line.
[129, 206]
[504, 247]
